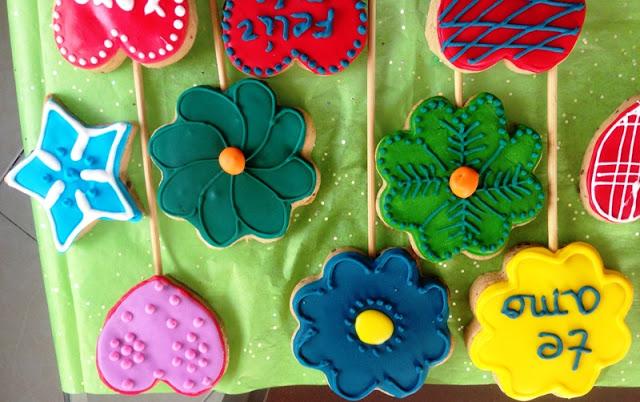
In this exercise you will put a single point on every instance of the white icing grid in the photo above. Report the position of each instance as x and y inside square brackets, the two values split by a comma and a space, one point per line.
[623, 174]
[179, 14]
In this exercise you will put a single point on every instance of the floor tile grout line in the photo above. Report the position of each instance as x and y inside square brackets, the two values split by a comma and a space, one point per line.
[18, 226]
[12, 164]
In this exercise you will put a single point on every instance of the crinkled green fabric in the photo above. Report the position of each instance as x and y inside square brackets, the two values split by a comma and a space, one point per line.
[249, 284]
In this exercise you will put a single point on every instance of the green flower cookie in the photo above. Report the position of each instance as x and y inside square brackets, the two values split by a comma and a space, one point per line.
[457, 180]
[233, 163]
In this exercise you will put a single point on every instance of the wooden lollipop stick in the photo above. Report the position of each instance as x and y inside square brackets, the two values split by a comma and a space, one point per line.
[457, 83]
[218, 45]
[371, 131]
[552, 150]
[148, 172]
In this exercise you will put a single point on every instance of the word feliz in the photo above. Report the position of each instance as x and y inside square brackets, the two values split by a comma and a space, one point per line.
[152, 6]
[296, 24]
[586, 300]
[514, 306]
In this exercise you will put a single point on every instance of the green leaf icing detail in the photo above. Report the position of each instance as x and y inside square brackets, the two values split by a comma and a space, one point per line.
[257, 202]
[416, 165]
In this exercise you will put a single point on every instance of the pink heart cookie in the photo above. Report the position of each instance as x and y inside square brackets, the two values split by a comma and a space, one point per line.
[160, 332]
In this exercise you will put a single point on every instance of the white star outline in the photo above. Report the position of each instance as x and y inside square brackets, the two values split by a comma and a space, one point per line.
[89, 215]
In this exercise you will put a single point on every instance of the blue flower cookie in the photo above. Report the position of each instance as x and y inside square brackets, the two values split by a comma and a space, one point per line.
[372, 324]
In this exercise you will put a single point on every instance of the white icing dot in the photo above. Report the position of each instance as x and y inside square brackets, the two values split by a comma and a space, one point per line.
[124, 38]
[56, 27]
[152, 55]
[63, 50]
[180, 11]
[178, 24]
[162, 52]
[102, 54]
[141, 55]
[114, 32]
[59, 39]
[108, 44]
[173, 37]
[72, 58]
[93, 60]
[56, 15]
[169, 47]
[82, 62]
[132, 49]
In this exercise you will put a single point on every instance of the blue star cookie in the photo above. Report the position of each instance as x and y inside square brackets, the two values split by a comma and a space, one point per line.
[75, 174]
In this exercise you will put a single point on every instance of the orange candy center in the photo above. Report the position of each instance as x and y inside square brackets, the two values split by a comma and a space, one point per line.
[464, 182]
[232, 161]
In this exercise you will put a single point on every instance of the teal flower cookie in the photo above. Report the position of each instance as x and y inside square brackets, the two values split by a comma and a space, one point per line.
[234, 164]
[457, 181]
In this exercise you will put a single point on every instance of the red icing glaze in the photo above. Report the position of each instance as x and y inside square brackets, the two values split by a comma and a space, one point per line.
[611, 181]
[99, 34]
[255, 52]
[473, 37]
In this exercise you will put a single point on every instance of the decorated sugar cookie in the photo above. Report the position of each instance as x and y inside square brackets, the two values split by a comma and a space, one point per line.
[531, 36]
[100, 34]
[77, 173]
[550, 322]
[611, 169]
[159, 331]
[371, 324]
[264, 37]
[457, 180]
[234, 164]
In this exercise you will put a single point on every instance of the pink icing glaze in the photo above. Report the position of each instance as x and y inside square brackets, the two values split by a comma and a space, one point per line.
[139, 346]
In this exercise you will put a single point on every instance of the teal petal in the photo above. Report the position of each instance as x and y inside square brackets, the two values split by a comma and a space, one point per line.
[180, 191]
[285, 139]
[259, 208]
[207, 105]
[181, 143]
[219, 224]
[295, 180]
[257, 103]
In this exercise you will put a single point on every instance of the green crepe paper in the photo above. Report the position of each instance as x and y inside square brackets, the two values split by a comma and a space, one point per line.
[249, 284]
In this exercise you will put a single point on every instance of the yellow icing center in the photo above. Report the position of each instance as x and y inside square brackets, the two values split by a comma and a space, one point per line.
[464, 182]
[373, 327]
[232, 161]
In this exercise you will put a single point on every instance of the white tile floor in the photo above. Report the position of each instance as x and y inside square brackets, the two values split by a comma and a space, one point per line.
[28, 371]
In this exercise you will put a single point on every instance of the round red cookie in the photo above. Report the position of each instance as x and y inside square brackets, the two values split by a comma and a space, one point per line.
[610, 180]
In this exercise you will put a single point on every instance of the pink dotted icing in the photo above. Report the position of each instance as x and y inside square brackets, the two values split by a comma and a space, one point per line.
[178, 343]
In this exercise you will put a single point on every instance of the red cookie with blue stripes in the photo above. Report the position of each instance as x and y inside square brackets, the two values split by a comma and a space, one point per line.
[531, 36]
[265, 37]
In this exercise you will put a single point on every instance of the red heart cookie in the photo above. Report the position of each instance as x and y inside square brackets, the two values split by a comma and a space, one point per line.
[100, 34]
[263, 37]
[610, 182]
[530, 35]
[159, 331]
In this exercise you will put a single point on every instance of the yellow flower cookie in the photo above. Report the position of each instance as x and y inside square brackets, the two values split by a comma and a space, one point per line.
[550, 322]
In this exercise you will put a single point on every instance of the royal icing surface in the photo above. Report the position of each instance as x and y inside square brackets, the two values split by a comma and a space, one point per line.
[263, 37]
[457, 180]
[159, 331]
[74, 173]
[532, 35]
[234, 163]
[98, 34]
[370, 324]
[611, 180]
[552, 324]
